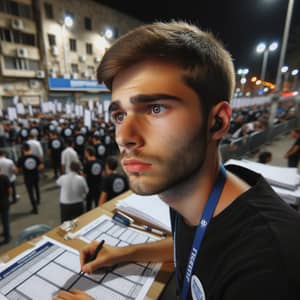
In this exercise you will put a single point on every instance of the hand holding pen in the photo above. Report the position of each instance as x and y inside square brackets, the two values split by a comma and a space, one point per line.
[108, 256]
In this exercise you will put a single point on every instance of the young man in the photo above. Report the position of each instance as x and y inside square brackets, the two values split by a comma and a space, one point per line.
[31, 166]
[93, 169]
[293, 154]
[5, 191]
[72, 194]
[171, 85]
[113, 183]
[67, 156]
[55, 146]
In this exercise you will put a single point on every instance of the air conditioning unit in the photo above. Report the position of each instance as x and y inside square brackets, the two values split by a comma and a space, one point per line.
[54, 50]
[17, 24]
[82, 58]
[40, 74]
[97, 59]
[22, 52]
[86, 74]
[75, 76]
[34, 84]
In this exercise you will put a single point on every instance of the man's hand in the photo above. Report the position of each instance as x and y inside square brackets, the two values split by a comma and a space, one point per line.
[72, 295]
[108, 256]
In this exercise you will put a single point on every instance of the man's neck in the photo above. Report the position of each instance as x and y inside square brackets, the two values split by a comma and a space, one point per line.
[190, 198]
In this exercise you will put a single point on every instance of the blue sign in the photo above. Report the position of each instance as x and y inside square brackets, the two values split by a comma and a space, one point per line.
[62, 84]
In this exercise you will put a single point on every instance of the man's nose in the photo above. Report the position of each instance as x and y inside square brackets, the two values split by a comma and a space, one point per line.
[128, 134]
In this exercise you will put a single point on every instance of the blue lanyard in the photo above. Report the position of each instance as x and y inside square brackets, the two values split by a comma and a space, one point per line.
[201, 229]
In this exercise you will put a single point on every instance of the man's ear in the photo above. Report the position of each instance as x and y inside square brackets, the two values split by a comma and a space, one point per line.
[219, 120]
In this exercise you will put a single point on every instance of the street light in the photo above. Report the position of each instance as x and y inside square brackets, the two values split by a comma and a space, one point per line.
[263, 48]
[243, 80]
[284, 43]
[294, 74]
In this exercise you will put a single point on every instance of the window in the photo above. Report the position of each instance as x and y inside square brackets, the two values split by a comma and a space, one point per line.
[91, 70]
[73, 46]
[88, 23]
[16, 9]
[48, 10]
[89, 48]
[5, 35]
[74, 68]
[15, 63]
[51, 39]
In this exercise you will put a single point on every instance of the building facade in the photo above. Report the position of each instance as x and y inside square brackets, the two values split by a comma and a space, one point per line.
[50, 49]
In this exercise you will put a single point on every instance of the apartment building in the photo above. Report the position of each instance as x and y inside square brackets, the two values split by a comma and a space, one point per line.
[75, 39]
[50, 49]
[21, 70]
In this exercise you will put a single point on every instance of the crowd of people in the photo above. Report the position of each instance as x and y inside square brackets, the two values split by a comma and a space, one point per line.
[84, 162]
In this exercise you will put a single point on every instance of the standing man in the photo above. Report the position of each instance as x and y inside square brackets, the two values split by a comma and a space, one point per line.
[93, 169]
[55, 146]
[113, 183]
[293, 154]
[5, 191]
[31, 165]
[67, 156]
[35, 146]
[8, 168]
[233, 238]
[72, 193]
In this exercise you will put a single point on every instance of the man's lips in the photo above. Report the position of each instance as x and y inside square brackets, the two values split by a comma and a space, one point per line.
[134, 166]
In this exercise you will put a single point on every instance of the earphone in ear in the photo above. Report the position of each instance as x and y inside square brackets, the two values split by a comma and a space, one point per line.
[218, 124]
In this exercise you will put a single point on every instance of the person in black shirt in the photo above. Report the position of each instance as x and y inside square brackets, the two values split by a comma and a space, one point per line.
[79, 142]
[30, 166]
[232, 237]
[100, 148]
[5, 191]
[55, 146]
[293, 154]
[113, 183]
[93, 169]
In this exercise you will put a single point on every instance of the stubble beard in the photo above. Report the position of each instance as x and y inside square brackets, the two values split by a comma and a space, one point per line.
[174, 170]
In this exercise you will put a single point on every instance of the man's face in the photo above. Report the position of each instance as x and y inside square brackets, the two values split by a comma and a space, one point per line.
[159, 126]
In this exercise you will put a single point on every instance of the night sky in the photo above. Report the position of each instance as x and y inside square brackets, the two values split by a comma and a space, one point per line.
[240, 24]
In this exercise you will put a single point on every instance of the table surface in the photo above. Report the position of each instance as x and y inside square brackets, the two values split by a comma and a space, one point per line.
[108, 208]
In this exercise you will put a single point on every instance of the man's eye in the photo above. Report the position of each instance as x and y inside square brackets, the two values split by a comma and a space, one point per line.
[157, 109]
[118, 117]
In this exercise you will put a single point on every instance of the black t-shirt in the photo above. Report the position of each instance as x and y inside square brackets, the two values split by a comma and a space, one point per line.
[29, 165]
[4, 192]
[101, 151]
[56, 146]
[114, 185]
[93, 170]
[297, 154]
[250, 251]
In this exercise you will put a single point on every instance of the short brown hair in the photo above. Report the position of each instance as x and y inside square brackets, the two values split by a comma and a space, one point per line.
[209, 66]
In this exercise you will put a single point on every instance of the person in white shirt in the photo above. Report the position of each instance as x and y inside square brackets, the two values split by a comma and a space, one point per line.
[68, 156]
[8, 168]
[35, 146]
[72, 194]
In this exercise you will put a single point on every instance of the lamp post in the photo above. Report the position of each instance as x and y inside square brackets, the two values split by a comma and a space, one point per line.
[284, 43]
[284, 71]
[263, 48]
[243, 80]
[294, 74]
[67, 22]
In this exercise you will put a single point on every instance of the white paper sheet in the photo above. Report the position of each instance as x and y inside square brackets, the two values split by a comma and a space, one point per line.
[149, 208]
[39, 273]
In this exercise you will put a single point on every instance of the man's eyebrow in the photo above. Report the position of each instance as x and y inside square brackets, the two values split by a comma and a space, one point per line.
[142, 98]
[145, 98]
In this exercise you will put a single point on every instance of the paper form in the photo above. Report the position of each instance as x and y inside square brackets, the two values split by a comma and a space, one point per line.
[41, 272]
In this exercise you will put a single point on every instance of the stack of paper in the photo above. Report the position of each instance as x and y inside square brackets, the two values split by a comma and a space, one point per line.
[284, 181]
[148, 208]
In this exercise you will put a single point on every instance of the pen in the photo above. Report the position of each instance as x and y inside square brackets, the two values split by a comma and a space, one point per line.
[127, 221]
[94, 255]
